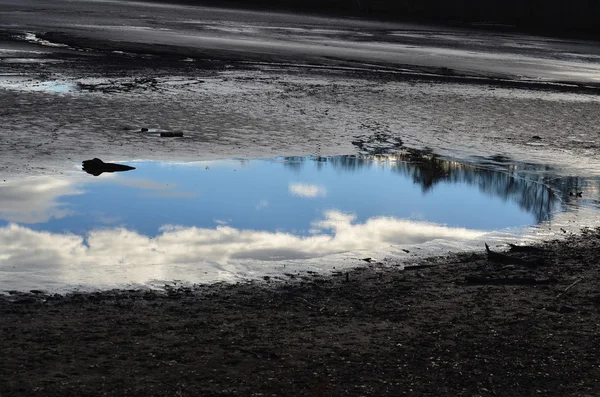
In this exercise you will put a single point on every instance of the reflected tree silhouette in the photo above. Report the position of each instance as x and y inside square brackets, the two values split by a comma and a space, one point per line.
[535, 188]
[294, 163]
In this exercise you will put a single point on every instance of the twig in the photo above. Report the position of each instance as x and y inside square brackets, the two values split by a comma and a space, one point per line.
[179, 389]
[168, 384]
[308, 303]
[477, 280]
[502, 258]
[242, 349]
[569, 287]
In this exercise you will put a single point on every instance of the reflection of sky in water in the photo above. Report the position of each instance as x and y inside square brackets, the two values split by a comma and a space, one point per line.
[22, 83]
[221, 220]
[266, 195]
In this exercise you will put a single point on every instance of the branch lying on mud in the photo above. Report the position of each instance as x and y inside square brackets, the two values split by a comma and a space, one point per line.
[525, 248]
[503, 258]
[569, 287]
[476, 280]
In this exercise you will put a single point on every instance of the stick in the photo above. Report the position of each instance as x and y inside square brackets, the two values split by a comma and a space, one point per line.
[476, 280]
[308, 303]
[255, 354]
[569, 287]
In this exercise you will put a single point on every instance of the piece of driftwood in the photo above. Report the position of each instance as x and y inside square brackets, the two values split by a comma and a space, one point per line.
[503, 258]
[97, 167]
[525, 248]
[478, 280]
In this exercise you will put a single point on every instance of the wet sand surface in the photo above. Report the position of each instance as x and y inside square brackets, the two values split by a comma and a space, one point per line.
[455, 325]
[83, 78]
[58, 115]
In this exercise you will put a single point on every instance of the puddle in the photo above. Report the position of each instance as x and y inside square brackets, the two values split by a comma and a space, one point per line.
[26, 83]
[32, 38]
[238, 219]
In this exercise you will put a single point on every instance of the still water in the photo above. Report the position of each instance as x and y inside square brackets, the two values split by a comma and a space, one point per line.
[235, 219]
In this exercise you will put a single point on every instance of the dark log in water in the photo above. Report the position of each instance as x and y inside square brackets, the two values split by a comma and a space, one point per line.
[97, 167]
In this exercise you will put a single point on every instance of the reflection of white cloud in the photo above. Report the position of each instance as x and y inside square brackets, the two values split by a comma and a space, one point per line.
[305, 190]
[158, 189]
[23, 247]
[171, 194]
[262, 204]
[34, 200]
[204, 164]
[107, 220]
[140, 183]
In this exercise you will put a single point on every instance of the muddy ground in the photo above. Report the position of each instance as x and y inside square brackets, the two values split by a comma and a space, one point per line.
[69, 93]
[457, 325]
[263, 114]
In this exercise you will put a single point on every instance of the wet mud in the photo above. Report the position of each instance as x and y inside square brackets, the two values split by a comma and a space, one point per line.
[463, 324]
[93, 97]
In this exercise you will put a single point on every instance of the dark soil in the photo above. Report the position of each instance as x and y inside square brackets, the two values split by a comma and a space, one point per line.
[457, 325]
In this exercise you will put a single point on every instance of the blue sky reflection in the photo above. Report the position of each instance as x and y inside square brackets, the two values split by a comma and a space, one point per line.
[144, 224]
[266, 195]
[258, 195]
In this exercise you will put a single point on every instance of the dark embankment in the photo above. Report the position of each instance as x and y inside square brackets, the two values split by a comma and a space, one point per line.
[554, 17]
[458, 325]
